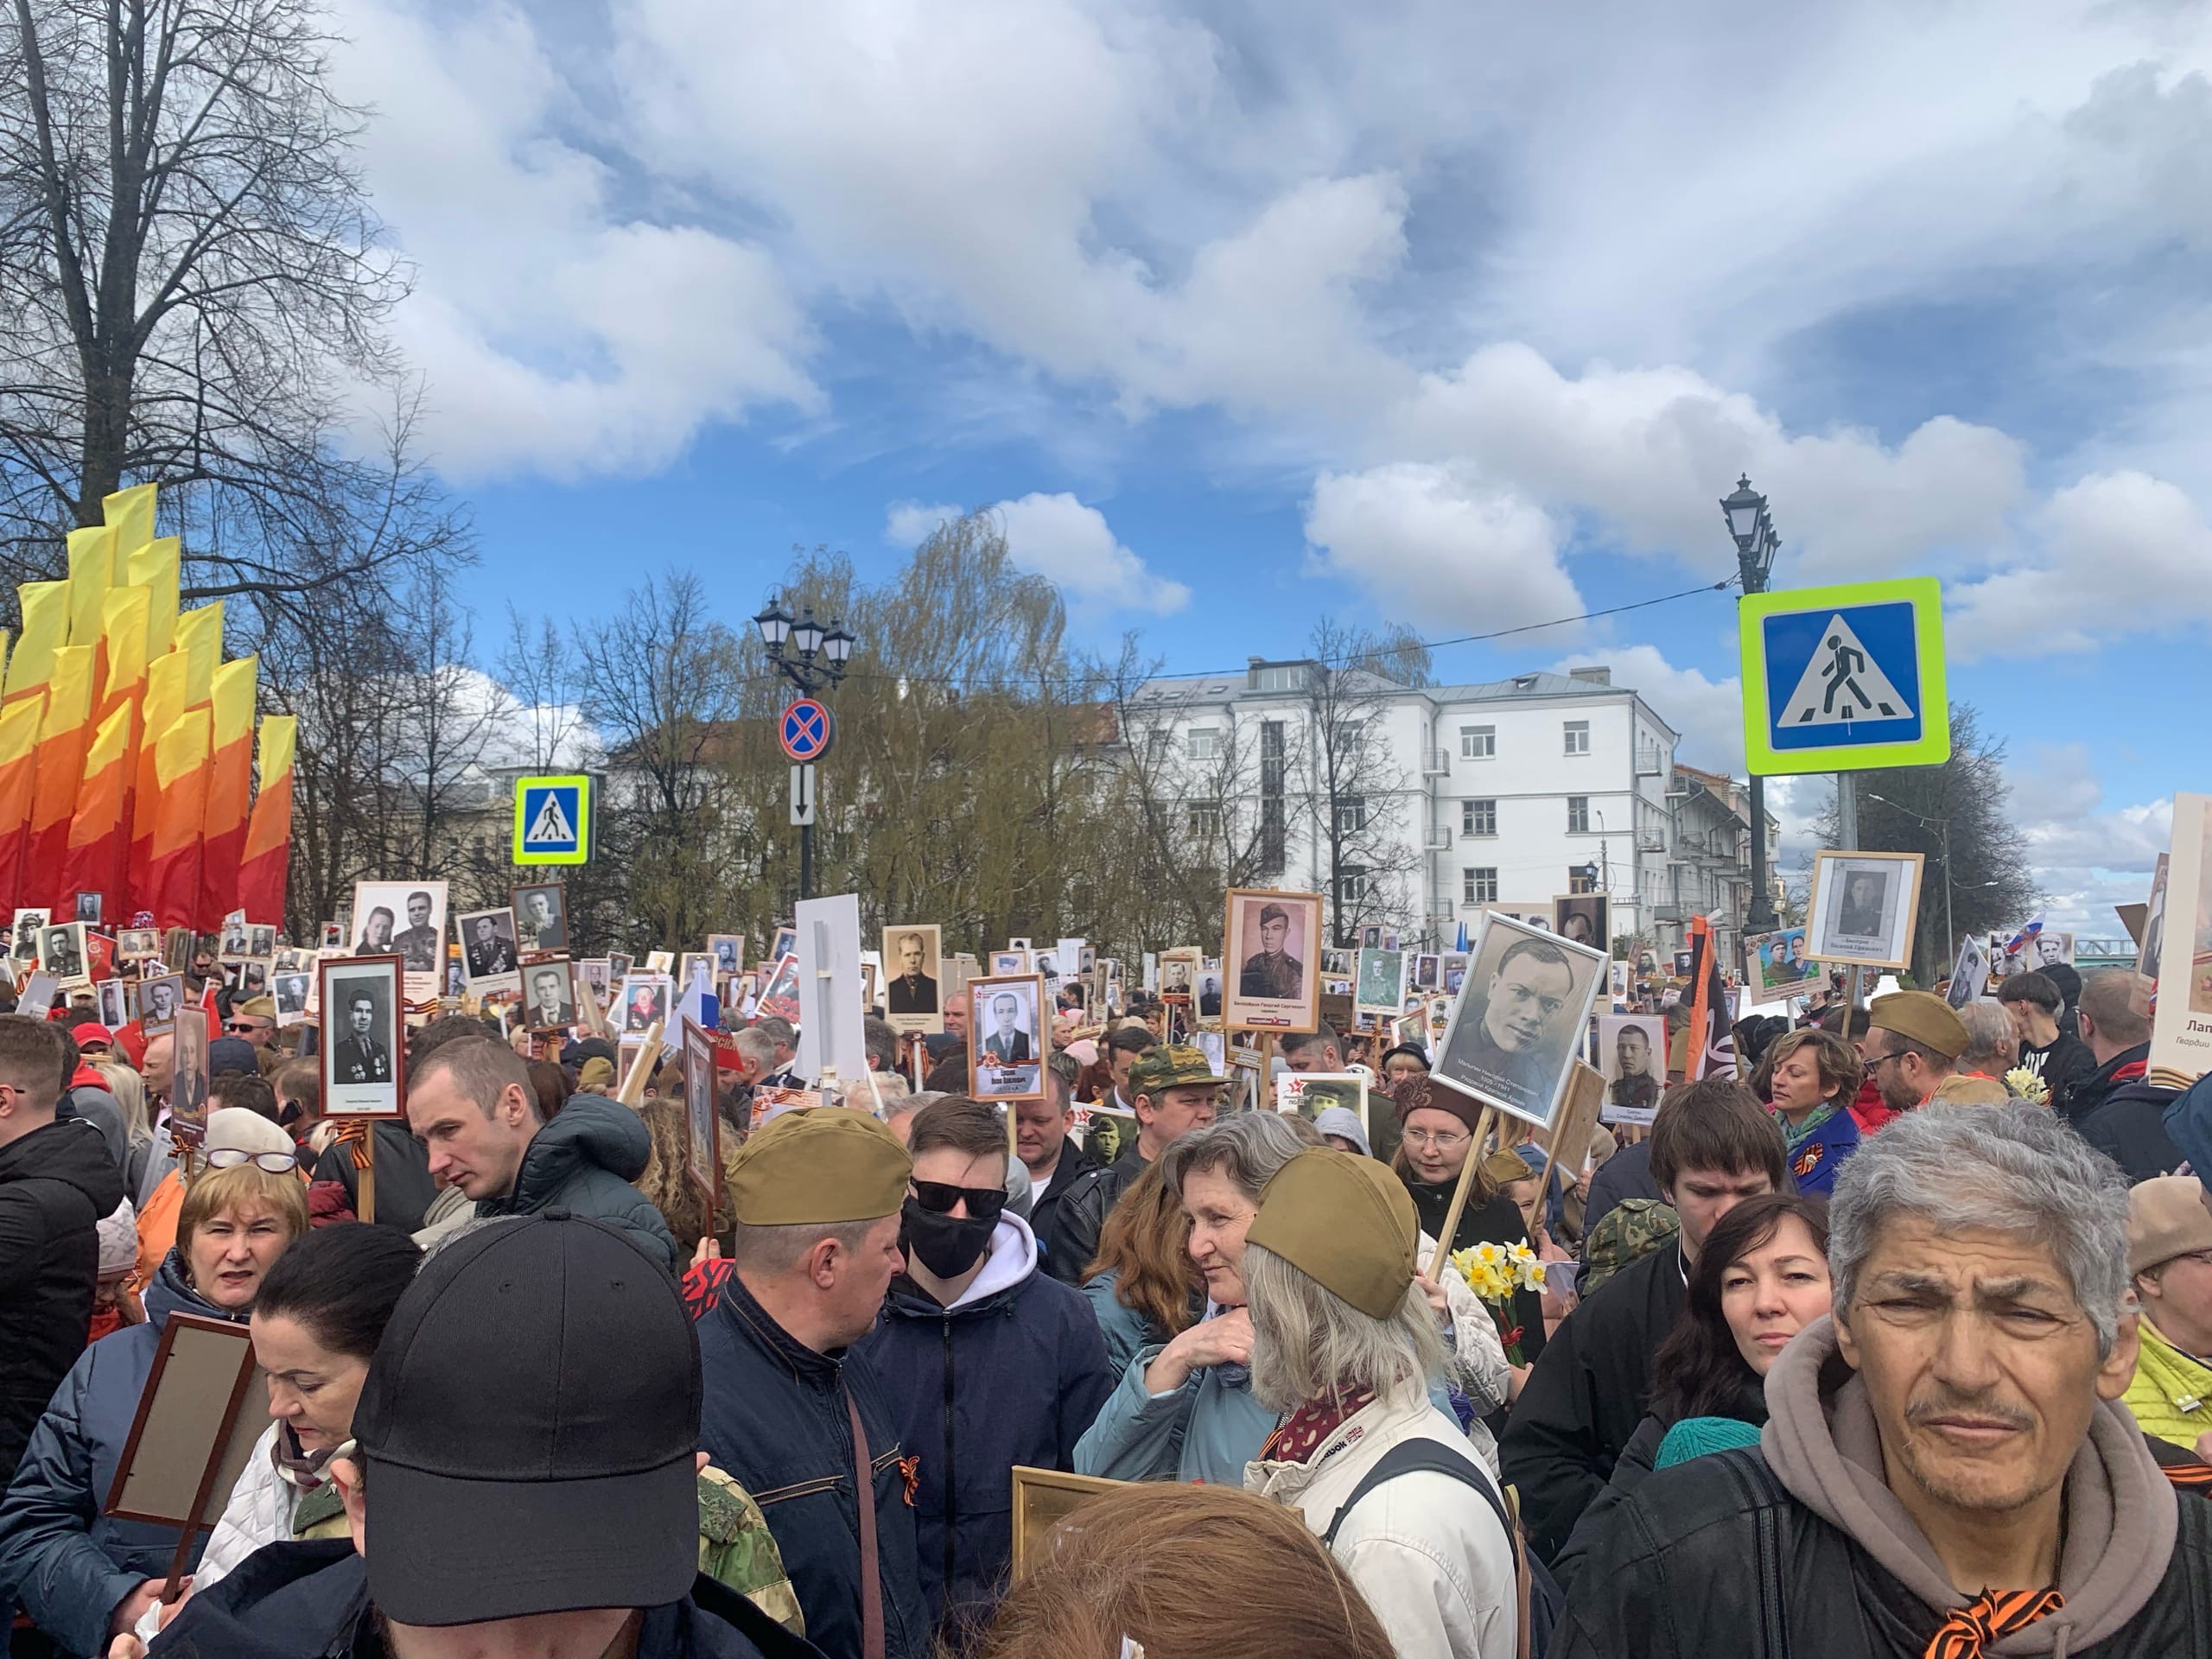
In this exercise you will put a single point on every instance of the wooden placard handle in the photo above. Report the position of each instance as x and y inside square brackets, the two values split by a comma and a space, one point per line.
[632, 1092]
[1459, 1192]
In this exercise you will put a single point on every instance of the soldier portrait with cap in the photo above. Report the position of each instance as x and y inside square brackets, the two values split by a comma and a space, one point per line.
[1272, 939]
[798, 1420]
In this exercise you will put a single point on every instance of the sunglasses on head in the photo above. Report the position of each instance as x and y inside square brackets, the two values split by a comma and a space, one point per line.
[984, 1203]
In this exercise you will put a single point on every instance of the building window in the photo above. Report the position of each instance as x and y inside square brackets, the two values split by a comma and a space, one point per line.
[1582, 878]
[1479, 886]
[1289, 676]
[1479, 817]
[1155, 744]
[1578, 815]
[1351, 815]
[1478, 742]
[1202, 742]
[1273, 770]
[1351, 887]
[1202, 820]
[1577, 737]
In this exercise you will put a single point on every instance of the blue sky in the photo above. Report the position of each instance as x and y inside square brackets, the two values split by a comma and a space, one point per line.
[1453, 315]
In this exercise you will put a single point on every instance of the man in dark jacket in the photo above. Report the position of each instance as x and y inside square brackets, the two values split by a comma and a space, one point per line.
[1713, 1145]
[472, 1104]
[1174, 1091]
[1934, 1478]
[491, 1399]
[2121, 1110]
[791, 1411]
[56, 1182]
[994, 1364]
[1043, 1139]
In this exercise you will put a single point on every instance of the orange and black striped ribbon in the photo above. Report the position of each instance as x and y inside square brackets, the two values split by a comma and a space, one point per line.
[2191, 1477]
[1968, 1630]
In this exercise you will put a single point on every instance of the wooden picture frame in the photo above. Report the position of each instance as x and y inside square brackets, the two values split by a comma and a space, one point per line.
[1276, 989]
[922, 1010]
[364, 1062]
[1520, 1056]
[993, 1075]
[1042, 1499]
[199, 1393]
[1839, 901]
[702, 1121]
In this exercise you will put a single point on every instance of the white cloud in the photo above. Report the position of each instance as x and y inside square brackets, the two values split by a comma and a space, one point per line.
[1059, 538]
[1438, 549]
[2088, 855]
[1709, 713]
[907, 524]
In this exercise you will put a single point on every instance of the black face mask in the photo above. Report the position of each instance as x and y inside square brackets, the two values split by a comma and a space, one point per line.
[947, 1245]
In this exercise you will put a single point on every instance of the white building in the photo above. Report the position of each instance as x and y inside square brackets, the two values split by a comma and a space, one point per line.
[1453, 797]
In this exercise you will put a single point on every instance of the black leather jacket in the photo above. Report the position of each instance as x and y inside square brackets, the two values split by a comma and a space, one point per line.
[1081, 1213]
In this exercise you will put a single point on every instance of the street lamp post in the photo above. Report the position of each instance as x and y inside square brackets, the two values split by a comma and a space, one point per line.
[1752, 528]
[817, 661]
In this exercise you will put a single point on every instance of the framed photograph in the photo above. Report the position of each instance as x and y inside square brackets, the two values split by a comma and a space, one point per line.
[249, 977]
[203, 1406]
[1424, 976]
[405, 919]
[28, 929]
[2152, 946]
[541, 916]
[1006, 1057]
[331, 935]
[61, 953]
[1585, 918]
[596, 974]
[292, 990]
[619, 966]
[88, 908]
[1517, 1027]
[911, 956]
[1632, 1055]
[691, 964]
[780, 991]
[1308, 1094]
[1863, 907]
[728, 951]
[1275, 940]
[137, 944]
[364, 1054]
[261, 941]
[701, 1118]
[190, 1035]
[2046, 950]
[115, 1011]
[1042, 1499]
[159, 999]
[1209, 982]
[1380, 986]
[660, 961]
[2181, 1024]
[489, 955]
[1178, 971]
[1970, 973]
[647, 999]
[1778, 965]
[1009, 961]
[548, 989]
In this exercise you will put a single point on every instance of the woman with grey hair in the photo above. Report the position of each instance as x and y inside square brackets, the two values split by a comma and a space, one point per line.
[1343, 1342]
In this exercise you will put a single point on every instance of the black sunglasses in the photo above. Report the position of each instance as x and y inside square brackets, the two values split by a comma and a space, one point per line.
[984, 1203]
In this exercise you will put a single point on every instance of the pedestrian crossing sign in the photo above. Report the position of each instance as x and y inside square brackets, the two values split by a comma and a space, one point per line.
[1844, 678]
[553, 820]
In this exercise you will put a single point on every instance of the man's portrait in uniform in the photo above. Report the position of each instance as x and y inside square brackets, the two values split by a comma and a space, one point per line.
[646, 999]
[88, 908]
[29, 924]
[1513, 1034]
[405, 919]
[911, 997]
[1860, 915]
[418, 941]
[1275, 940]
[61, 952]
[236, 945]
[360, 1003]
[1584, 918]
[543, 912]
[291, 994]
[1630, 1048]
[728, 951]
[158, 1002]
[1862, 909]
[488, 955]
[1006, 1063]
[552, 998]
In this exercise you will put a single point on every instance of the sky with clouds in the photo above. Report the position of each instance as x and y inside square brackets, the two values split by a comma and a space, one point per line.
[1455, 315]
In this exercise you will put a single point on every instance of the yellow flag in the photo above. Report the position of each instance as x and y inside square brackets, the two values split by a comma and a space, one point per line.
[92, 573]
[199, 637]
[129, 514]
[45, 607]
[155, 568]
[122, 631]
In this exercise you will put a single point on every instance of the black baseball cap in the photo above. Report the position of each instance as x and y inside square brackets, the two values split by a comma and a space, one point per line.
[528, 1424]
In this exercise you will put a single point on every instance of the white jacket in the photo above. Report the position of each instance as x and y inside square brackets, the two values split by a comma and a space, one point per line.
[259, 1512]
[1429, 1555]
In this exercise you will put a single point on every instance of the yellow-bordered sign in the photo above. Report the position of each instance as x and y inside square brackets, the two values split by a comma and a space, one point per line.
[1844, 678]
[553, 819]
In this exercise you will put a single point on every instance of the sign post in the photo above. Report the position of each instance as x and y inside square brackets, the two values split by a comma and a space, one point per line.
[807, 730]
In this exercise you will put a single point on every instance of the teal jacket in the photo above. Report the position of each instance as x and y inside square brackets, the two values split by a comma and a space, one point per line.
[1208, 1429]
[1126, 1330]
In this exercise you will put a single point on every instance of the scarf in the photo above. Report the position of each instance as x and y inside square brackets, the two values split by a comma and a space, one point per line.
[1298, 1434]
[1793, 1138]
[297, 1467]
[1966, 1630]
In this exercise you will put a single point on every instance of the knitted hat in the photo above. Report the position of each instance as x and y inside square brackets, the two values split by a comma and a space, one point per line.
[596, 1072]
[1693, 1437]
[118, 1236]
[1347, 1224]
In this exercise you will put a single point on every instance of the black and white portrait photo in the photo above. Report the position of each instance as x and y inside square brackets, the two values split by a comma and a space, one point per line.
[115, 1007]
[29, 926]
[1584, 918]
[1632, 1053]
[188, 1082]
[911, 1002]
[1380, 986]
[236, 946]
[728, 952]
[1862, 908]
[1272, 941]
[261, 941]
[88, 908]
[550, 994]
[291, 991]
[2048, 949]
[489, 957]
[362, 1047]
[1970, 973]
[61, 952]
[137, 944]
[1518, 1024]
[542, 916]
[158, 1000]
[405, 919]
[597, 974]
[1009, 961]
[1006, 1027]
[647, 999]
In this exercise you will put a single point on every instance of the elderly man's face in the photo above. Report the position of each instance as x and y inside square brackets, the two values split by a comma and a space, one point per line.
[1982, 1368]
[1525, 997]
[361, 1014]
[1273, 933]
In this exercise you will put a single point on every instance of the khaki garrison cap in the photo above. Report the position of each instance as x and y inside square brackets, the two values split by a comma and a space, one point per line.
[826, 1164]
[1347, 1224]
[1920, 1017]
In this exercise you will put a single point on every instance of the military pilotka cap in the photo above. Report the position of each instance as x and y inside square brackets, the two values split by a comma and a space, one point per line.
[1170, 1067]
[1346, 1223]
[825, 1165]
[1920, 1017]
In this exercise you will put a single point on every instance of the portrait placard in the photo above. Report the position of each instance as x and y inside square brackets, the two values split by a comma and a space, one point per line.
[115, 1009]
[364, 1050]
[1778, 965]
[28, 927]
[137, 944]
[405, 919]
[1380, 987]
[1209, 983]
[2046, 949]
[1275, 940]
[1970, 973]
[1308, 1094]
[159, 998]
[702, 1120]
[780, 991]
[1584, 918]
[647, 1000]
[2181, 1028]
[1632, 1055]
[541, 916]
[489, 955]
[661, 961]
[912, 1002]
[597, 974]
[203, 1406]
[292, 990]
[1863, 907]
[189, 1036]
[1042, 1499]
[1520, 1018]
[61, 954]
[1006, 1018]
[1009, 961]
[549, 988]
[2151, 942]
[1179, 970]
[728, 951]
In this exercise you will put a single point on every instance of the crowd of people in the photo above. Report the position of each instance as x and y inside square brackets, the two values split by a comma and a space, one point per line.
[1893, 1339]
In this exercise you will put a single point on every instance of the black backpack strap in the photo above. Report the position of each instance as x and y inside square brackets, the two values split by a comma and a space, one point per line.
[1419, 1457]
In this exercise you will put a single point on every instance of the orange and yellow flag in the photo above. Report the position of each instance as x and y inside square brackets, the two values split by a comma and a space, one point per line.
[155, 566]
[162, 705]
[229, 781]
[19, 724]
[45, 607]
[62, 738]
[269, 837]
[171, 885]
[93, 860]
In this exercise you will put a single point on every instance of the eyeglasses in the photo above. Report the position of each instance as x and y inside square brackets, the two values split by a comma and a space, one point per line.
[1874, 1061]
[1444, 1140]
[230, 1157]
[984, 1203]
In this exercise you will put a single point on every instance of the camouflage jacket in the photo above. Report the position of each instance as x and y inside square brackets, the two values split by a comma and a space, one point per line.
[737, 1549]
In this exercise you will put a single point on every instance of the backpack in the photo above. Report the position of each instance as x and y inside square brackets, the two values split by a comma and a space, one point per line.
[1539, 1601]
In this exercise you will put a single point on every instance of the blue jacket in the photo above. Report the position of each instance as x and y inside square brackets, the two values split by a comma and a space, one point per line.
[61, 1560]
[583, 1161]
[1816, 1159]
[773, 1415]
[1012, 1372]
[1124, 1329]
[1208, 1429]
[2189, 1124]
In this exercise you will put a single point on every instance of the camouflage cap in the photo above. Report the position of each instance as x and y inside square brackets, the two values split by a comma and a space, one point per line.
[1629, 1231]
[825, 1164]
[1170, 1065]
